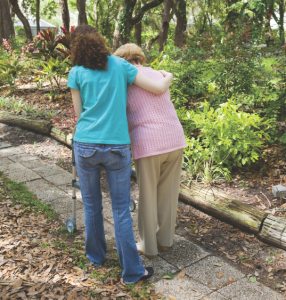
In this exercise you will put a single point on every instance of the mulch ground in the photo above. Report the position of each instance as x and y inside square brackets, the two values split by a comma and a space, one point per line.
[251, 184]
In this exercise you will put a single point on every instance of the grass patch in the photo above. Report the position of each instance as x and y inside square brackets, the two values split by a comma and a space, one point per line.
[18, 193]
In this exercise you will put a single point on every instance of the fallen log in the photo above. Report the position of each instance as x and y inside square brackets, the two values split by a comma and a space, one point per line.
[26, 123]
[274, 231]
[223, 207]
[61, 136]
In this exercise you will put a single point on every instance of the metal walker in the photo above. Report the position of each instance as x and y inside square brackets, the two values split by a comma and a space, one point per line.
[71, 222]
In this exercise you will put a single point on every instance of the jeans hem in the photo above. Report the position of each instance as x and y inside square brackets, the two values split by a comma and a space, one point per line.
[134, 281]
[93, 262]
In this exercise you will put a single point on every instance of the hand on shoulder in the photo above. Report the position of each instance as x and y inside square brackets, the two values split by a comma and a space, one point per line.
[164, 73]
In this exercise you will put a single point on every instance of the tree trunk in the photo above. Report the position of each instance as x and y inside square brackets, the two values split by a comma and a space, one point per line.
[223, 207]
[126, 20]
[268, 31]
[38, 16]
[6, 24]
[166, 17]
[116, 36]
[181, 26]
[11, 12]
[95, 13]
[22, 18]
[281, 21]
[82, 20]
[137, 33]
[65, 14]
[204, 24]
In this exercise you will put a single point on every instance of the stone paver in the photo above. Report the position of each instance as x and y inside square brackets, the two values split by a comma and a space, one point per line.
[64, 207]
[182, 289]
[67, 188]
[246, 290]
[45, 191]
[213, 272]
[183, 253]
[107, 211]
[60, 179]
[22, 158]
[13, 167]
[9, 152]
[5, 164]
[4, 145]
[214, 296]
[109, 231]
[49, 170]
[5, 161]
[35, 163]
[23, 176]
[204, 272]
[160, 266]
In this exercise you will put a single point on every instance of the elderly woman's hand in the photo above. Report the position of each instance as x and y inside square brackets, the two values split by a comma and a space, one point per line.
[164, 73]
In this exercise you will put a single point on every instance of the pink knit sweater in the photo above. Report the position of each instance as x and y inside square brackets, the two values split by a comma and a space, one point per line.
[154, 127]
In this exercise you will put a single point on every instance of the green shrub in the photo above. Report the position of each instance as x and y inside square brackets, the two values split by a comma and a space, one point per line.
[234, 137]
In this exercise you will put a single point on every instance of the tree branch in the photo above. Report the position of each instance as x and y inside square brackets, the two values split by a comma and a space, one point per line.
[145, 8]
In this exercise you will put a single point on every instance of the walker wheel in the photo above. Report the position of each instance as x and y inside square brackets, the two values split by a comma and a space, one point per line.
[132, 205]
[70, 224]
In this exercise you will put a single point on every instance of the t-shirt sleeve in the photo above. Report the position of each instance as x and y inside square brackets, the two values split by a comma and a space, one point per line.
[130, 71]
[72, 79]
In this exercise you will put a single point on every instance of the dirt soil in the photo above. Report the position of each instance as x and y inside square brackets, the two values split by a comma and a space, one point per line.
[258, 260]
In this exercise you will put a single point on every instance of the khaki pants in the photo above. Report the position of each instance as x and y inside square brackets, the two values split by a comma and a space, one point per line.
[158, 179]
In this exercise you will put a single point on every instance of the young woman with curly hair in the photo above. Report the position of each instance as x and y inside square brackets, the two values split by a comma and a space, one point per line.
[157, 141]
[98, 83]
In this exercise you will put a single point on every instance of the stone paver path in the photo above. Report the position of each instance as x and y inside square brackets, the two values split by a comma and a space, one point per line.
[207, 277]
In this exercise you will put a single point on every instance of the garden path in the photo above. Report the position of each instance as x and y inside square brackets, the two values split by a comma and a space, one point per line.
[198, 274]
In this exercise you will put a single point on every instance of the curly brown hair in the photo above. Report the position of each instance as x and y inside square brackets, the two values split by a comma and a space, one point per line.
[132, 53]
[89, 48]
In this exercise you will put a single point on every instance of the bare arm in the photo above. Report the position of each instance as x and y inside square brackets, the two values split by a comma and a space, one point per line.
[77, 103]
[156, 87]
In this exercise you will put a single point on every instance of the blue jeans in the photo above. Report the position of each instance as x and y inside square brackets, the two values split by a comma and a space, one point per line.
[116, 160]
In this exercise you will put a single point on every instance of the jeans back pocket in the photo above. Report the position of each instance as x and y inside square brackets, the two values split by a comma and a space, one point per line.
[120, 157]
[87, 157]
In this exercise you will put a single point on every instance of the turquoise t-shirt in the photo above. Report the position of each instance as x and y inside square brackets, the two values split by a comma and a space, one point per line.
[104, 99]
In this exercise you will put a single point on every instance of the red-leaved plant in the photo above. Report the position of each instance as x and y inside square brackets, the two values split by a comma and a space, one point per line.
[48, 44]
[66, 121]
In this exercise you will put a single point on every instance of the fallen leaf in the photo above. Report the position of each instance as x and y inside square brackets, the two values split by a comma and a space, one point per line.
[219, 274]
[171, 297]
[120, 295]
[232, 257]
[217, 264]
[17, 284]
[181, 274]
[167, 276]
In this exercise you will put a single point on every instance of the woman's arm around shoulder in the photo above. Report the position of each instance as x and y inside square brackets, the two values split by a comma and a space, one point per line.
[156, 87]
